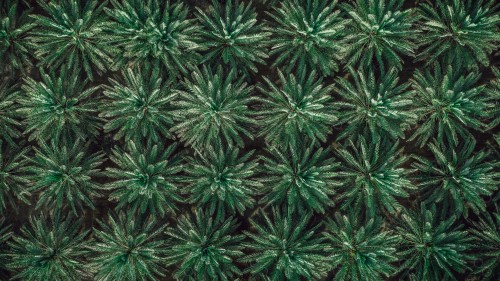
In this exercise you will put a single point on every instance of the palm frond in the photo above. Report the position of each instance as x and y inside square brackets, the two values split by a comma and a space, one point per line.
[231, 33]
[433, 247]
[128, 248]
[459, 30]
[222, 180]
[361, 249]
[299, 105]
[375, 174]
[70, 33]
[64, 176]
[139, 105]
[50, 248]
[213, 107]
[301, 177]
[203, 249]
[160, 32]
[375, 106]
[10, 124]
[457, 176]
[59, 107]
[379, 32]
[145, 179]
[286, 247]
[449, 104]
[305, 34]
[13, 183]
[14, 28]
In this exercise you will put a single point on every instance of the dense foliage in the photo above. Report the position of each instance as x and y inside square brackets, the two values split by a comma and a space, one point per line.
[69, 33]
[235, 140]
[458, 177]
[222, 180]
[145, 178]
[50, 248]
[139, 107]
[375, 176]
[459, 30]
[59, 107]
[374, 106]
[361, 250]
[380, 31]
[449, 104]
[128, 248]
[9, 123]
[14, 28]
[152, 31]
[283, 248]
[487, 242]
[231, 33]
[64, 176]
[299, 105]
[204, 249]
[434, 246]
[213, 107]
[13, 164]
[305, 34]
[300, 177]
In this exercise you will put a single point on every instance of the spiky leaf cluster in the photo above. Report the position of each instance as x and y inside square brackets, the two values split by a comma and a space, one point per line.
[50, 248]
[139, 106]
[493, 96]
[9, 123]
[305, 34]
[64, 176]
[459, 30]
[360, 250]
[375, 176]
[203, 249]
[487, 244]
[268, 2]
[4, 232]
[145, 178]
[5, 235]
[266, 173]
[128, 248]
[59, 107]
[153, 31]
[433, 247]
[448, 103]
[222, 180]
[13, 184]
[286, 247]
[213, 107]
[380, 31]
[14, 28]
[302, 177]
[70, 34]
[231, 33]
[299, 105]
[457, 176]
[371, 105]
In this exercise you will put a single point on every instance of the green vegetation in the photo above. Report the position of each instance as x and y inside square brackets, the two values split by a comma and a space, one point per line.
[235, 140]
